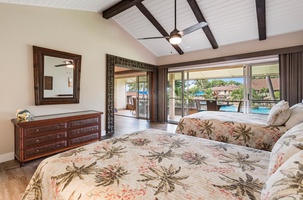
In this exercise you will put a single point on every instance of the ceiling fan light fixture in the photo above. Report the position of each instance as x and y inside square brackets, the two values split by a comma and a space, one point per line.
[175, 37]
[70, 66]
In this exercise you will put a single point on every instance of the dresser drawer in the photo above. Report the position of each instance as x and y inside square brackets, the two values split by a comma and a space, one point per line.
[45, 149]
[45, 138]
[41, 129]
[84, 139]
[83, 122]
[49, 134]
[80, 131]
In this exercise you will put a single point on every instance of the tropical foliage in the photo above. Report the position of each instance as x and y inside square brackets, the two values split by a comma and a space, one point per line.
[159, 156]
[164, 179]
[242, 132]
[73, 172]
[194, 87]
[109, 175]
[108, 153]
[243, 161]
[240, 187]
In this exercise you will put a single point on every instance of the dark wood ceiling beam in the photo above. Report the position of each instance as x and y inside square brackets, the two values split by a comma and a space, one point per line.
[119, 7]
[261, 17]
[197, 12]
[235, 57]
[157, 25]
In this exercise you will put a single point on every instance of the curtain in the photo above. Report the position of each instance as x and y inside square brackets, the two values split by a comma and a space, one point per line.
[291, 77]
[162, 100]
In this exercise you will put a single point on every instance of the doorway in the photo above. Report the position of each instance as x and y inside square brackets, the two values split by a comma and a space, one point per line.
[111, 62]
[131, 93]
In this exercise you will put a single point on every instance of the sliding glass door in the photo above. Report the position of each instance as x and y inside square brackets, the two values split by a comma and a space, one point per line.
[265, 87]
[175, 96]
[248, 88]
[143, 97]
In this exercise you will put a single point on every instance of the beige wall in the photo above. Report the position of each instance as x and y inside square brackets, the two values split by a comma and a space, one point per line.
[120, 93]
[281, 41]
[84, 33]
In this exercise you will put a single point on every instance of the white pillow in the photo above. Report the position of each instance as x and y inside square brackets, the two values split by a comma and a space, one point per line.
[278, 114]
[289, 144]
[296, 116]
[285, 183]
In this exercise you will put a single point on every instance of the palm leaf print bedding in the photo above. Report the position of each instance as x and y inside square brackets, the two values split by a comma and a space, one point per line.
[151, 164]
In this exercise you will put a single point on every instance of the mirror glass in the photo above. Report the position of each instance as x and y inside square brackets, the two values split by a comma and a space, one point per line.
[56, 76]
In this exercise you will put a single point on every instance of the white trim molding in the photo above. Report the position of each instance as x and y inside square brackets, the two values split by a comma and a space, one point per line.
[6, 157]
[103, 133]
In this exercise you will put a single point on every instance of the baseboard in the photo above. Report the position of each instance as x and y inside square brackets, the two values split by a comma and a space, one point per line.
[103, 133]
[6, 157]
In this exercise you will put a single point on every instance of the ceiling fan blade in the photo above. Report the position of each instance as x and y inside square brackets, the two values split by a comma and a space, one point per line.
[60, 65]
[147, 38]
[193, 28]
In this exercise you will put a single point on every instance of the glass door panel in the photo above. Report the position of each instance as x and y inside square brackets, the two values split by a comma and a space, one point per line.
[175, 90]
[143, 97]
[265, 87]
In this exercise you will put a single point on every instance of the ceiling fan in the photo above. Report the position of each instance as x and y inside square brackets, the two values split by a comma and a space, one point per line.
[175, 36]
[67, 63]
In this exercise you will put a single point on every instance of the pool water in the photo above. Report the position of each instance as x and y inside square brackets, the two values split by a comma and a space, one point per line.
[260, 110]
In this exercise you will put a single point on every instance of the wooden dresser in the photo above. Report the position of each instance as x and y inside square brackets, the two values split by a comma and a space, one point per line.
[50, 134]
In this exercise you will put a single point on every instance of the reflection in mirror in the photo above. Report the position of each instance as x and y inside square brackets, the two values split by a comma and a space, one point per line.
[56, 76]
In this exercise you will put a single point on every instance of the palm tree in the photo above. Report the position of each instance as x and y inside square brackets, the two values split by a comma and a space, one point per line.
[108, 153]
[242, 187]
[242, 132]
[237, 95]
[160, 155]
[73, 172]
[164, 179]
[242, 161]
[109, 175]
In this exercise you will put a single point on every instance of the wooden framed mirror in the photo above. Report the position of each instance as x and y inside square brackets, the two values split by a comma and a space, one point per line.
[56, 76]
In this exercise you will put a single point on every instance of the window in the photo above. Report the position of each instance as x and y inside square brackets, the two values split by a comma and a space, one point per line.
[243, 88]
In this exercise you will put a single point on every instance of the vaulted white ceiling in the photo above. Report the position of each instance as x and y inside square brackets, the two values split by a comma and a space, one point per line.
[230, 21]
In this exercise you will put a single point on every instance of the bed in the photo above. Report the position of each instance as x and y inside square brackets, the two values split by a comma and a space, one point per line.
[152, 164]
[249, 130]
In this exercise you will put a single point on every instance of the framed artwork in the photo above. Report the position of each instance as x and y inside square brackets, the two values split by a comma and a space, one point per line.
[48, 82]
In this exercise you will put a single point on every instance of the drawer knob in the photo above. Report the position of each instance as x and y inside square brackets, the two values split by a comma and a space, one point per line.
[58, 126]
[78, 132]
[78, 140]
[37, 141]
[58, 145]
[58, 136]
[37, 130]
[37, 151]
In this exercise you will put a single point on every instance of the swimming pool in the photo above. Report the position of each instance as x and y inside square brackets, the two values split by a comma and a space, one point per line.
[232, 108]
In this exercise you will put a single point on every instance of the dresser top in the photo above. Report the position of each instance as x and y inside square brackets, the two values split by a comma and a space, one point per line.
[60, 115]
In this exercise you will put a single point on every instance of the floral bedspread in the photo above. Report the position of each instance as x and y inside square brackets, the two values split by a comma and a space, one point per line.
[151, 164]
[243, 129]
